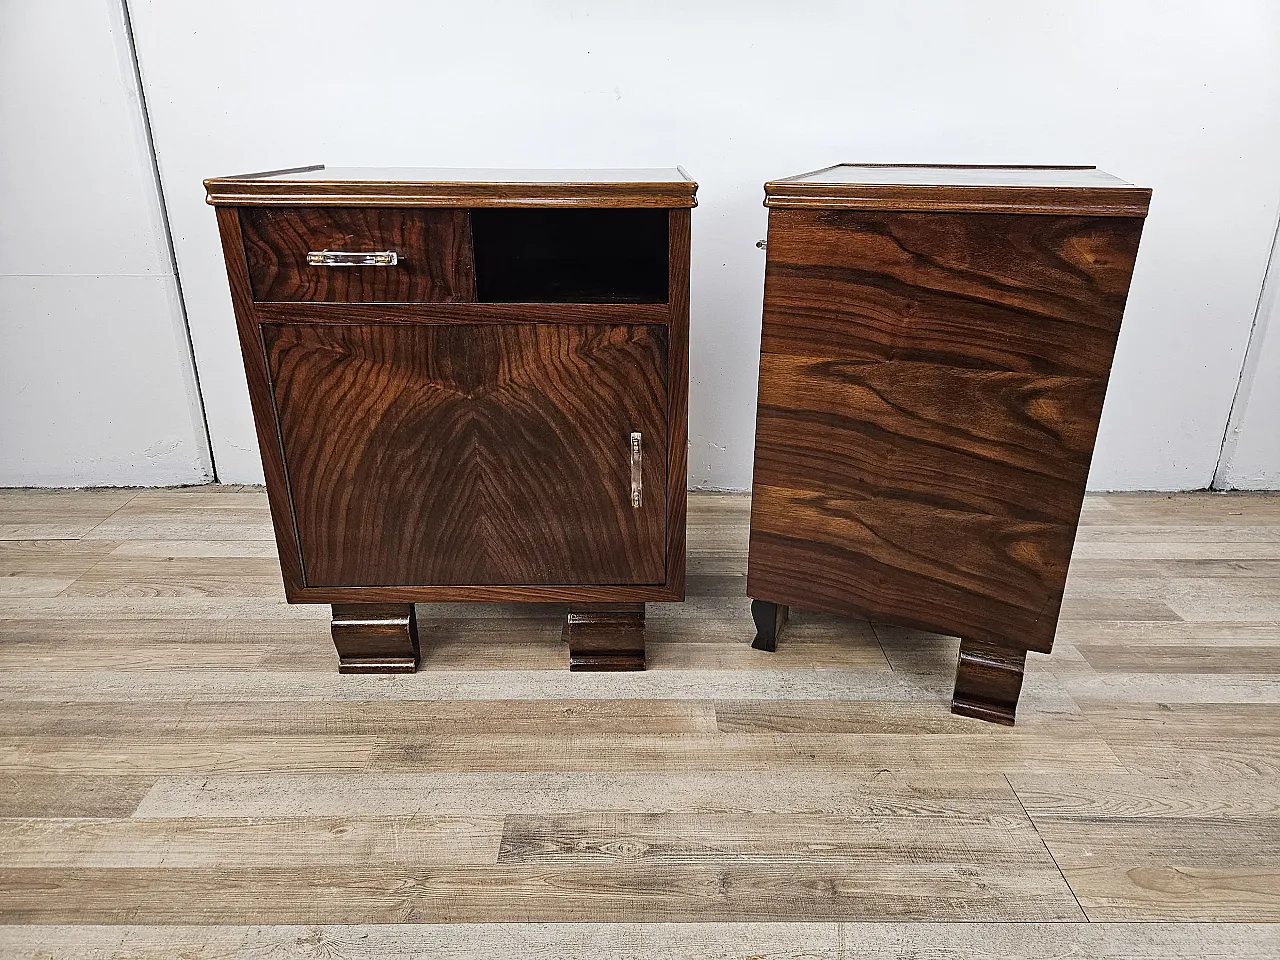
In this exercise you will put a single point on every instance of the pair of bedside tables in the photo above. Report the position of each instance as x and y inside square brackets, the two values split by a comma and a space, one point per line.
[473, 385]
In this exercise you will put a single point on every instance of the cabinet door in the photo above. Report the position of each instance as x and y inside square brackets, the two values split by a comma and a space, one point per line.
[497, 453]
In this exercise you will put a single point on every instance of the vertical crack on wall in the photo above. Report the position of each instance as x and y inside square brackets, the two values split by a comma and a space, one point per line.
[168, 234]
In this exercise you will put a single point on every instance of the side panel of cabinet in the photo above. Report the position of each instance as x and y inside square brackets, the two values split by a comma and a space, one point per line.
[930, 390]
[425, 454]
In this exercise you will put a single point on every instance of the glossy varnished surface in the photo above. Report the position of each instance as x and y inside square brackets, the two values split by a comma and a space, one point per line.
[670, 321]
[472, 454]
[930, 388]
[960, 188]
[458, 187]
[184, 774]
[375, 637]
[433, 249]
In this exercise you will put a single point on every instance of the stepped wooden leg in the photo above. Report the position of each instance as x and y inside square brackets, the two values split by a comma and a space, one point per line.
[988, 681]
[375, 637]
[769, 618]
[605, 636]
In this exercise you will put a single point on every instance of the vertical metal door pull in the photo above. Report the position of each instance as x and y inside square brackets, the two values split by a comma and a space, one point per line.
[635, 470]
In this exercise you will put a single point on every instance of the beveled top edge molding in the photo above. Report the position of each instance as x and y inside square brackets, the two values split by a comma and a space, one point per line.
[490, 191]
[1080, 201]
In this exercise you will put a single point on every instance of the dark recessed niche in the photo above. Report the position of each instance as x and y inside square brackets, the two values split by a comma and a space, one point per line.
[570, 256]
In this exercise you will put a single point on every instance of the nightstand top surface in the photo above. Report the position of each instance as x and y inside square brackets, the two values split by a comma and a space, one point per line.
[458, 186]
[962, 189]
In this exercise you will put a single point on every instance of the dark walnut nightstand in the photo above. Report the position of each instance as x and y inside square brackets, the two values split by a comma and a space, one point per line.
[468, 385]
[935, 353]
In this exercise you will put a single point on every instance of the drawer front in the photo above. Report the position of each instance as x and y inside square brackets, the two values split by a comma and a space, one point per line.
[474, 454]
[432, 248]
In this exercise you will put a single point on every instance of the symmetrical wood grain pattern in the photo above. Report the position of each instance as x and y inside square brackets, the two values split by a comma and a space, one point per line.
[183, 774]
[369, 383]
[459, 187]
[433, 249]
[603, 636]
[375, 637]
[460, 454]
[930, 390]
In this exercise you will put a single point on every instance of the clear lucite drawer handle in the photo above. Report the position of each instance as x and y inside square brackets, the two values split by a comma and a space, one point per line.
[635, 470]
[337, 258]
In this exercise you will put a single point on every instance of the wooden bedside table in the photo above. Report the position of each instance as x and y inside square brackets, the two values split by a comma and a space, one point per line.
[468, 385]
[934, 357]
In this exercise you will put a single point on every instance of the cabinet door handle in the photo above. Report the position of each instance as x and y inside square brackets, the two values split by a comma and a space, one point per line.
[636, 482]
[340, 258]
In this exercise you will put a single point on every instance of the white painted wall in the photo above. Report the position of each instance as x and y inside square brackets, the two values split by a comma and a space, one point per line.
[1183, 97]
[1251, 452]
[96, 381]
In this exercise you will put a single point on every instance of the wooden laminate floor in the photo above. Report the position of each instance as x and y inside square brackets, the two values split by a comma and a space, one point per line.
[184, 774]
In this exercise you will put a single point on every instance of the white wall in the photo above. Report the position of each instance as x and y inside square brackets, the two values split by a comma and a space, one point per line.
[96, 381]
[1183, 97]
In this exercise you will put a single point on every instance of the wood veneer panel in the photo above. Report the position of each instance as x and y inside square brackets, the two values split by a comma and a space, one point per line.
[462, 313]
[457, 187]
[930, 389]
[260, 399]
[962, 188]
[435, 262]
[679, 231]
[999, 292]
[473, 454]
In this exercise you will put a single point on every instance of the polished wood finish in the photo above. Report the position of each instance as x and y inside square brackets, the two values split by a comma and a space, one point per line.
[472, 454]
[677, 401]
[439, 313]
[961, 188]
[375, 637]
[930, 390]
[185, 775]
[605, 637]
[456, 187]
[420, 446]
[433, 248]
[988, 681]
[769, 618]
[262, 403]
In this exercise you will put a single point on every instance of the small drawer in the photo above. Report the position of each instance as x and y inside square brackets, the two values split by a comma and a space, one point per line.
[314, 254]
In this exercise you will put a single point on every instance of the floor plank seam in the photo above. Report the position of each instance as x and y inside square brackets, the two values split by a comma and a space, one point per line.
[136, 493]
[154, 743]
[62, 594]
[1034, 826]
[880, 644]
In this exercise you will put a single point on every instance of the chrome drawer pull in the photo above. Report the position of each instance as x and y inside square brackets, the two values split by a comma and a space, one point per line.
[337, 258]
[635, 470]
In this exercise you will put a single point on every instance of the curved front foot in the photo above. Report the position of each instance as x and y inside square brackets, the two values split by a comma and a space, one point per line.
[375, 637]
[605, 636]
[988, 681]
[770, 618]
